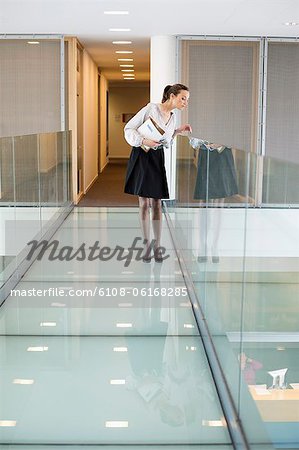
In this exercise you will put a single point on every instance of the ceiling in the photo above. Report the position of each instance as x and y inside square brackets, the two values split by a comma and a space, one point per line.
[86, 20]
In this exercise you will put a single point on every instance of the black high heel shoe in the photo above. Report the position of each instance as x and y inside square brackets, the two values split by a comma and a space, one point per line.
[158, 256]
[147, 257]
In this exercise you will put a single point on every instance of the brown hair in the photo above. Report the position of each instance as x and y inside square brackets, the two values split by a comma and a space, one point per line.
[173, 89]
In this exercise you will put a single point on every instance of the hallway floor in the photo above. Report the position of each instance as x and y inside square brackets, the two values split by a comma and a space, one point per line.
[108, 189]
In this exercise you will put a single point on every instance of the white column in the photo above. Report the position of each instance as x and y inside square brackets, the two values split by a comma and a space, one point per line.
[163, 72]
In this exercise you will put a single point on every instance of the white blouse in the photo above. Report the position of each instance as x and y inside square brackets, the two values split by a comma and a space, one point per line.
[134, 138]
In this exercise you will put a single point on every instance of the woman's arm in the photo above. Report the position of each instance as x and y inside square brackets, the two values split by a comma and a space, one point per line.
[131, 134]
[186, 127]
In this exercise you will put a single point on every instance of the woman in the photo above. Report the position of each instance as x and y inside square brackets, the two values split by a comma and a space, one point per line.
[146, 175]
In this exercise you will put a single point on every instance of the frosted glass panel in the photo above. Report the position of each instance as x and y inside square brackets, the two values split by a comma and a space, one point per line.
[29, 87]
[222, 78]
[282, 138]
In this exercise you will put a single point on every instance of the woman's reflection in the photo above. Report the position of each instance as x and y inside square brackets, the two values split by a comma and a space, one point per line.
[215, 180]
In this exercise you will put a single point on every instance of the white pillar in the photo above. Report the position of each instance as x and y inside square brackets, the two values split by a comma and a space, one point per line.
[163, 72]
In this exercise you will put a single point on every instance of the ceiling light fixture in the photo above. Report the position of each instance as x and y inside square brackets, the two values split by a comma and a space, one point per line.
[123, 51]
[33, 42]
[37, 349]
[116, 424]
[117, 381]
[125, 59]
[121, 42]
[119, 29]
[8, 423]
[115, 13]
[127, 70]
[22, 381]
[212, 423]
[126, 65]
[291, 24]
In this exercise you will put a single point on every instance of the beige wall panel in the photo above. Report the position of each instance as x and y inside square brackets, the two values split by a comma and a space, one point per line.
[90, 120]
[123, 100]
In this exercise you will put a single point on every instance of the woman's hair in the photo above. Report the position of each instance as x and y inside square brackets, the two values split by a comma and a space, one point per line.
[173, 89]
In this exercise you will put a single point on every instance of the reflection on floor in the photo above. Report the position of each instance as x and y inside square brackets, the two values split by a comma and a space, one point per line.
[109, 351]
[97, 353]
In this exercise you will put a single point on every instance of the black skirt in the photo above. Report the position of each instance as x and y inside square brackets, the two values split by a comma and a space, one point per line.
[146, 175]
[216, 175]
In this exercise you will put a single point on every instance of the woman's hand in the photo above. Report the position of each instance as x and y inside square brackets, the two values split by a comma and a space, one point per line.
[149, 143]
[185, 128]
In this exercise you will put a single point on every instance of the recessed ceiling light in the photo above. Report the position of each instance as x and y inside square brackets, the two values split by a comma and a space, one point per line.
[120, 349]
[33, 42]
[116, 424]
[121, 42]
[123, 51]
[124, 325]
[120, 13]
[8, 423]
[188, 325]
[212, 423]
[117, 381]
[58, 305]
[291, 24]
[48, 324]
[126, 65]
[37, 349]
[22, 381]
[127, 70]
[119, 29]
[125, 59]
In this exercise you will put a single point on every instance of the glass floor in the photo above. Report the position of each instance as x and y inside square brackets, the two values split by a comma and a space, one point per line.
[102, 354]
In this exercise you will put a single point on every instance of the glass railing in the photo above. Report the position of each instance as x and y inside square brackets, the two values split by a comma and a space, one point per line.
[236, 222]
[35, 187]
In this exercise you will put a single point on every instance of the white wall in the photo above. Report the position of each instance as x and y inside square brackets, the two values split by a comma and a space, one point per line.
[90, 120]
[163, 72]
[103, 121]
[123, 99]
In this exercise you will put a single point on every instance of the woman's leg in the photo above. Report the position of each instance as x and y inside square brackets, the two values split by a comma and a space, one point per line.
[144, 217]
[217, 212]
[157, 221]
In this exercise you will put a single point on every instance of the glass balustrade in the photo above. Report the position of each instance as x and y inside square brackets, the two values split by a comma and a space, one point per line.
[35, 186]
[236, 222]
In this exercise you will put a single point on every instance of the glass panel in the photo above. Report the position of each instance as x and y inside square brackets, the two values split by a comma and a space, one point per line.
[280, 182]
[215, 188]
[269, 338]
[35, 172]
[7, 215]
